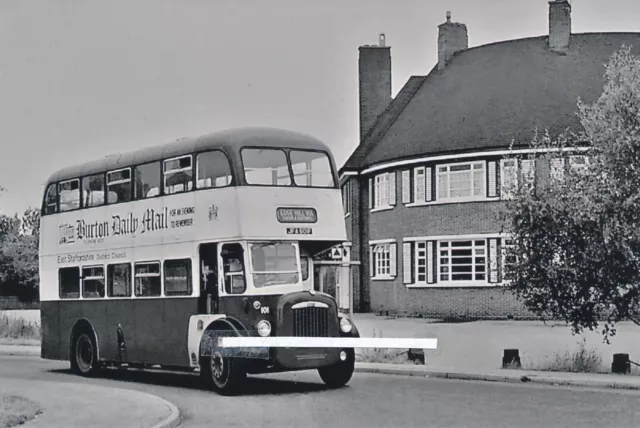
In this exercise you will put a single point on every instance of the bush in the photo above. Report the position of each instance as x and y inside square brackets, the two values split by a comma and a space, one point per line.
[17, 328]
[583, 360]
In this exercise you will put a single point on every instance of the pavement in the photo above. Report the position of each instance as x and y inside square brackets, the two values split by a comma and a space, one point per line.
[66, 404]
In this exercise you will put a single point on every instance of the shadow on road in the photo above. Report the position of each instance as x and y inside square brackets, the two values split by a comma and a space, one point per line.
[254, 385]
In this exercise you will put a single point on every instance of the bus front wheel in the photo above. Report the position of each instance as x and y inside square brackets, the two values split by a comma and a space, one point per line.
[84, 354]
[224, 374]
[339, 374]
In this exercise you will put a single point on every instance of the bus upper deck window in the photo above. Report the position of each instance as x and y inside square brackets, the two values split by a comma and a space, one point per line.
[69, 194]
[311, 169]
[119, 186]
[147, 180]
[178, 175]
[233, 266]
[213, 170]
[51, 199]
[266, 167]
[93, 190]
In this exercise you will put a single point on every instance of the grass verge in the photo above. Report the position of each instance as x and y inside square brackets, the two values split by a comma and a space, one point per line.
[384, 355]
[15, 411]
[14, 328]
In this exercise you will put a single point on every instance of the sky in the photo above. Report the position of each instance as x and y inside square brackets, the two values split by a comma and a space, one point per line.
[82, 79]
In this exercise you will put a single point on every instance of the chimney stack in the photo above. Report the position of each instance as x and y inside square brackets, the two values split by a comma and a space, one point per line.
[374, 71]
[452, 38]
[559, 25]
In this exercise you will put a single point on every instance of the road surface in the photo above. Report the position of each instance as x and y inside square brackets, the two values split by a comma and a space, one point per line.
[301, 400]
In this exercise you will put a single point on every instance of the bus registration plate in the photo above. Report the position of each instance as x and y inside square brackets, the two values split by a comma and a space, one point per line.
[299, 231]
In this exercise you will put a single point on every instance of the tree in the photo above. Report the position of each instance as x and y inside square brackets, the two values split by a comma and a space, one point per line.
[577, 236]
[19, 239]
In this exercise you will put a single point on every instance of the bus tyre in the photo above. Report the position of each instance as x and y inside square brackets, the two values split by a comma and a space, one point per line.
[84, 354]
[339, 374]
[224, 375]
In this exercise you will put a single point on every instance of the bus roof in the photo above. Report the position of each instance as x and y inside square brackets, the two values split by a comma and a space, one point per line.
[229, 141]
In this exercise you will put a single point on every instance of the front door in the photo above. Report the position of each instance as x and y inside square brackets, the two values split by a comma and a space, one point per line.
[208, 302]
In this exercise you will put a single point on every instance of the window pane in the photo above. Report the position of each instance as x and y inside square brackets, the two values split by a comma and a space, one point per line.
[93, 190]
[177, 277]
[147, 180]
[266, 167]
[69, 283]
[233, 268]
[274, 264]
[311, 169]
[51, 199]
[119, 280]
[214, 170]
[119, 186]
[178, 175]
[147, 280]
[69, 192]
[93, 282]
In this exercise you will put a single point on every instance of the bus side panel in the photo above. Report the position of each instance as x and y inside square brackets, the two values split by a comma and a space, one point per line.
[50, 322]
[175, 337]
[121, 312]
[95, 311]
[150, 332]
[69, 313]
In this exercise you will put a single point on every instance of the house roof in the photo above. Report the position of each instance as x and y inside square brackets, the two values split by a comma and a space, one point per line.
[488, 95]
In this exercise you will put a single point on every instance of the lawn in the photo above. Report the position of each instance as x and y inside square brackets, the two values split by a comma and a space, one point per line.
[15, 411]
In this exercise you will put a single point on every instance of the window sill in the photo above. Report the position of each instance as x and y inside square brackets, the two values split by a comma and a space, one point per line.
[454, 284]
[451, 201]
[384, 208]
[383, 278]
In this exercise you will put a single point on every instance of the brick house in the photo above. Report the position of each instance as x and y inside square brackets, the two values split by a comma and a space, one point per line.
[424, 188]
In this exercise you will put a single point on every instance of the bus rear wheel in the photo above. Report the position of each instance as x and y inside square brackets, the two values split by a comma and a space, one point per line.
[339, 374]
[84, 354]
[225, 375]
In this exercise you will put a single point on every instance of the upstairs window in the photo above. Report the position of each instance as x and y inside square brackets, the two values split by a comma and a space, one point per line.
[50, 203]
[119, 186]
[381, 189]
[266, 167]
[178, 175]
[147, 179]
[69, 194]
[93, 190]
[461, 181]
[311, 169]
[213, 170]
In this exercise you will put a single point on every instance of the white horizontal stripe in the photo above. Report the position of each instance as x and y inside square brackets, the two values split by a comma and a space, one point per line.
[463, 156]
[327, 342]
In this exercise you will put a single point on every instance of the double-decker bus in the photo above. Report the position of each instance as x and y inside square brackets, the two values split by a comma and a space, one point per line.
[147, 258]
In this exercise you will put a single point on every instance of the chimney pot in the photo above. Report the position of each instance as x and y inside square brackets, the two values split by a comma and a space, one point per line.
[382, 40]
[448, 16]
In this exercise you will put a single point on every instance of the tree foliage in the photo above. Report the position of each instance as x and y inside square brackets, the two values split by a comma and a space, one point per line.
[577, 235]
[19, 240]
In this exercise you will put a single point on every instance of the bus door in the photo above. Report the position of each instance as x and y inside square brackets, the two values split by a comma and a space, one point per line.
[208, 302]
[306, 265]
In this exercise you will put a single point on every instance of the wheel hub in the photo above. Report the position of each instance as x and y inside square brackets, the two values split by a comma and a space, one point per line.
[217, 365]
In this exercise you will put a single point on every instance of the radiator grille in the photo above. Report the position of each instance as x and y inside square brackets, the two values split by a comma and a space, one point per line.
[310, 322]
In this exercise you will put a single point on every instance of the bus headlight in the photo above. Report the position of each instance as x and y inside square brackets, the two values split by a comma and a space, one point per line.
[264, 328]
[345, 325]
